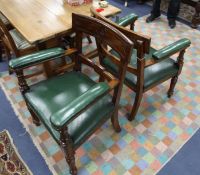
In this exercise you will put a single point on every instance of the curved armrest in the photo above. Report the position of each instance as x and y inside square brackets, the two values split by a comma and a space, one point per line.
[171, 49]
[127, 20]
[69, 112]
[36, 57]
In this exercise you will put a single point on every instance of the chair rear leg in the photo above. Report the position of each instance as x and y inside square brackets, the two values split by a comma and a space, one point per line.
[89, 39]
[35, 119]
[101, 79]
[8, 56]
[136, 105]
[115, 121]
[114, 117]
[172, 85]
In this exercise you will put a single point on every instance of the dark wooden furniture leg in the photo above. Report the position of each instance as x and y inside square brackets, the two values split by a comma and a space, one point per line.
[89, 39]
[172, 86]
[136, 105]
[67, 146]
[35, 119]
[174, 79]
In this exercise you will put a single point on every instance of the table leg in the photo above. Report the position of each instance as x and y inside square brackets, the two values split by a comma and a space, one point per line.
[47, 65]
[50, 66]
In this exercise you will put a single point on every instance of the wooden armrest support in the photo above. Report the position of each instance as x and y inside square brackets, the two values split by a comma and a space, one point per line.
[97, 68]
[150, 62]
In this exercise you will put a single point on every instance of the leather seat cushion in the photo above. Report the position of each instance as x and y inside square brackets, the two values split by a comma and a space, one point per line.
[20, 41]
[49, 96]
[4, 19]
[152, 74]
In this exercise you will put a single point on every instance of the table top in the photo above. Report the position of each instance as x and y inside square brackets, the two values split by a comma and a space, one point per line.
[39, 20]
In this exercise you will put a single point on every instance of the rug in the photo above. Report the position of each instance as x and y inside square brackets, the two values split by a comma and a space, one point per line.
[162, 126]
[186, 11]
[10, 161]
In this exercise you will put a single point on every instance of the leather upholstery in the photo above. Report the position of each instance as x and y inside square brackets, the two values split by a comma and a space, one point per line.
[156, 73]
[63, 116]
[4, 19]
[20, 41]
[172, 48]
[128, 19]
[40, 56]
[49, 96]
[152, 74]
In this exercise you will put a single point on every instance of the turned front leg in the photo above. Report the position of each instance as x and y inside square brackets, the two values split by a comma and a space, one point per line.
[67, 147]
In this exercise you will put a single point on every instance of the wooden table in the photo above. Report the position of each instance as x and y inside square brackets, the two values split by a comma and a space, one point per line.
[39, 20]
[45, 20]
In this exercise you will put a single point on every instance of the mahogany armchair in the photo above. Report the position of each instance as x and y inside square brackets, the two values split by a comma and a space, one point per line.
[14, 43]
[148, 67]
[71, 105]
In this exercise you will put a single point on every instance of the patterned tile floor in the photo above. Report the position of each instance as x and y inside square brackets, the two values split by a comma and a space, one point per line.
[161, 127]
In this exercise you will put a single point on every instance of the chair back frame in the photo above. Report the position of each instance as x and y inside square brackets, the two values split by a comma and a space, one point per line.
[133, 36]
[105, 36]
[7, 39]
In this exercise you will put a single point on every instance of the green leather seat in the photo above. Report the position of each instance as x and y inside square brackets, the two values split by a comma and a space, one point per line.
[152, 74]
[54, 94]
[19, 40]
[4, 19]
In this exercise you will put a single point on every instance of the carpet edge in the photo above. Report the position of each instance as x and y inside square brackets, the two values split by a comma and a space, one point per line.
[176, 152]
[27, 129]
